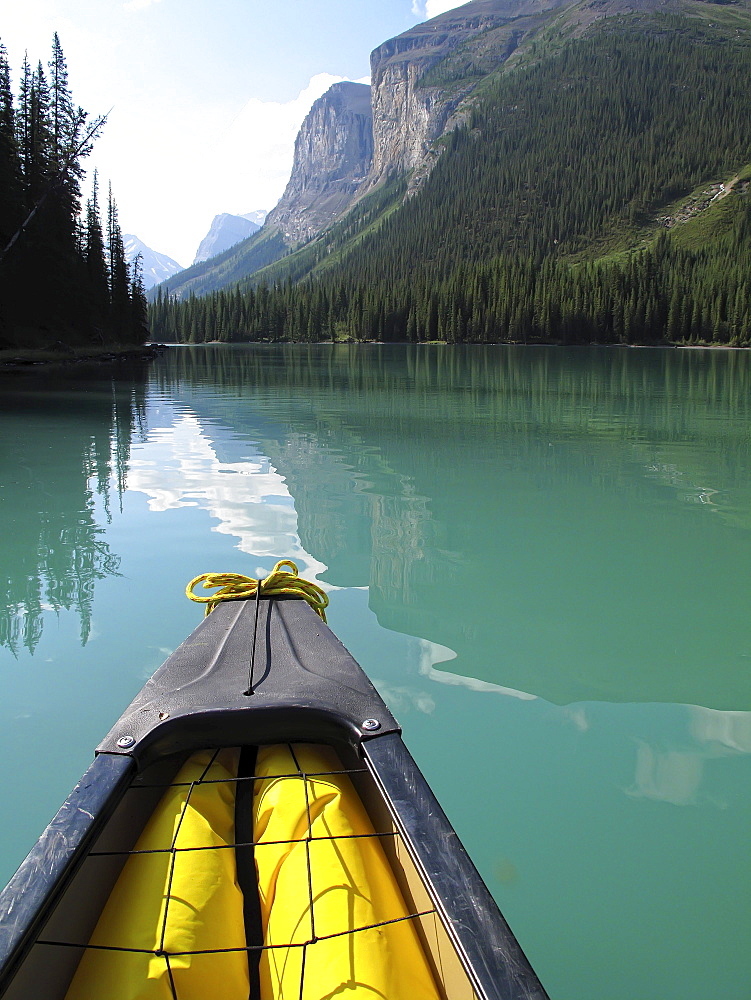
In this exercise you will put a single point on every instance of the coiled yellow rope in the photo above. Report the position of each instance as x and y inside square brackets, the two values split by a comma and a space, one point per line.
[236, 587]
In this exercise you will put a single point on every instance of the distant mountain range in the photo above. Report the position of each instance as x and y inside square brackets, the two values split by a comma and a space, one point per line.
[155, 267]
[227, 230]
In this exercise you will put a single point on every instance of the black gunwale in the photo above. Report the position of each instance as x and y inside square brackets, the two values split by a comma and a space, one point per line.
[307, 687]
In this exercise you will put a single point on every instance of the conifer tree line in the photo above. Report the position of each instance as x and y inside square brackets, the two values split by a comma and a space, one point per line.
[664, 293]
[522, 232]
[63, 273]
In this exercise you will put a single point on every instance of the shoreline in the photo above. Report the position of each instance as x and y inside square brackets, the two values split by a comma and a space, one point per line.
[664, 346]
[22, 359]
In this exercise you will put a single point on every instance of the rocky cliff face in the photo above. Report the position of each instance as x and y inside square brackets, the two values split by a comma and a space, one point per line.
[333, 155]
[355, 137]
[344, 149]
[420, 78]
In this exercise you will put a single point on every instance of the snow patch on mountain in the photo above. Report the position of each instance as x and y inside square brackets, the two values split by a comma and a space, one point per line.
[155, 267]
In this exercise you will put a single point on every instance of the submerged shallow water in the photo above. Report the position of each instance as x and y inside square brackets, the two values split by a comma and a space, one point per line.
[540, 556]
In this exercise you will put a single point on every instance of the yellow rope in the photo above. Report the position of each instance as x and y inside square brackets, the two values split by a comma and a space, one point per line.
[236, 587]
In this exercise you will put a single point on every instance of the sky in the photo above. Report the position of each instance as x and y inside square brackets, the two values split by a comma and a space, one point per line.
[205, 97]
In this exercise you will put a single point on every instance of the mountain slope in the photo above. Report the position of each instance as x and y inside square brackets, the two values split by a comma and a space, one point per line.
[228, 267]
[345, 150]
[333, 154]
[421, 78]
[575, 156]
[425, 84]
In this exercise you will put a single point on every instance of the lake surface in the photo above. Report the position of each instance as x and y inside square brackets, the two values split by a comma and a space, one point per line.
[540, 556]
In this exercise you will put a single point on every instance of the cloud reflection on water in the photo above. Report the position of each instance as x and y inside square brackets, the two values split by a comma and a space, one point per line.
[677, 774]
[178, 467]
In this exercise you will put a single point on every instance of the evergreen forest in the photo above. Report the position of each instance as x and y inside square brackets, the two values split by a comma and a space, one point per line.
[64, 279]
[598, 192]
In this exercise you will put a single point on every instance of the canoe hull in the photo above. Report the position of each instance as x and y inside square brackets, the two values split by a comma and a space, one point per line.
[307, 688]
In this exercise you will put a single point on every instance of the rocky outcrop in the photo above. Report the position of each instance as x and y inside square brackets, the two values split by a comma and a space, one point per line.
[356, 137]
[333, 155]
[420, 78]
[344, 149]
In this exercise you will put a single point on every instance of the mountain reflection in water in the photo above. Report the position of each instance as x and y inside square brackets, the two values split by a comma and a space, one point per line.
[558, 501]
[540, 557]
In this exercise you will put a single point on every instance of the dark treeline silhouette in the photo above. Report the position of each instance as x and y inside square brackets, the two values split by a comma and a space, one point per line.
[526, 228]
[63, 277]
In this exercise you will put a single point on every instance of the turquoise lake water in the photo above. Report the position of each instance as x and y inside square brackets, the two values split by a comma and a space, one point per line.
[539, 555]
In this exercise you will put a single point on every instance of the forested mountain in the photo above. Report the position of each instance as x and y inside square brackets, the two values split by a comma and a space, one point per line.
[63, 276]
[597, 189]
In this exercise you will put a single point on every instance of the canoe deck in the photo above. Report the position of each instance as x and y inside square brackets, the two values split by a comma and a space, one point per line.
[307, 689]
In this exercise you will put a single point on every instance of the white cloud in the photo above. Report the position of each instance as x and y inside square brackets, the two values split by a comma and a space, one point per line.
[257, 146]
[721, 731]
[172, 175]
[177, 153]
[667, 775]
[432, 653]
[249, 500]
[432, 8]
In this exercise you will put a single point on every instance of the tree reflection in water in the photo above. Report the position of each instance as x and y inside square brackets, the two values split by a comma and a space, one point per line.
[63, 462]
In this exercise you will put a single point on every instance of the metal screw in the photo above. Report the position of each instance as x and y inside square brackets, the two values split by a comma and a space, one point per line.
[370, 724]
[125, 742]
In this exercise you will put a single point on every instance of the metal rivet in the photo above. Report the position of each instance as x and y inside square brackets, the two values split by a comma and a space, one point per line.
[371, 724]
[126, 741]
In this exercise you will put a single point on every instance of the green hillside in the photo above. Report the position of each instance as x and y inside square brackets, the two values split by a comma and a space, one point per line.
[570, 207]
[229, 267]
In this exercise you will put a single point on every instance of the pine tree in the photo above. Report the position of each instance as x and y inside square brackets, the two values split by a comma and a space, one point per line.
[66, 123]
[96, 265]
[63, 115]
[55, 281]
[24, 127]
[138, 320]
[10, 181]
[41, 170]
[119, 278]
